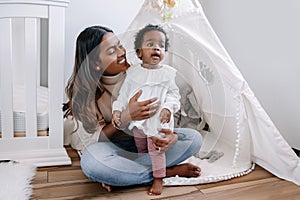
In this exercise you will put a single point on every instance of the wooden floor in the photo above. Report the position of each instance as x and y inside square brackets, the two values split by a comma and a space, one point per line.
[68, 182]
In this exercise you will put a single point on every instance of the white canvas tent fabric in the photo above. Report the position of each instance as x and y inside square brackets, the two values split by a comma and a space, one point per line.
[213, 88]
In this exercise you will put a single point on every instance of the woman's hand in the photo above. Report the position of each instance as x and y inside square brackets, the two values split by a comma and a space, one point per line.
[163, 144]
[138, 110]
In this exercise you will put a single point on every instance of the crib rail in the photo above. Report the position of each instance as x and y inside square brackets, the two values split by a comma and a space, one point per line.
[22, 39]
[6, 93]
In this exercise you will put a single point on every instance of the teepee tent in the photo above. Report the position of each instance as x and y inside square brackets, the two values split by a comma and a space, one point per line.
[240, 132]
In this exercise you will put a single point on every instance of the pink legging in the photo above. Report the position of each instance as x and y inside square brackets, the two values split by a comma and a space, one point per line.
[144, 145]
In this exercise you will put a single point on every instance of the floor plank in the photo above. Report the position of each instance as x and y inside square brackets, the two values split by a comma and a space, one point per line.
[67, 190]
[276, 190]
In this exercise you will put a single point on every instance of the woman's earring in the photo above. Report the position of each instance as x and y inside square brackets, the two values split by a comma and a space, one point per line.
[98, 68]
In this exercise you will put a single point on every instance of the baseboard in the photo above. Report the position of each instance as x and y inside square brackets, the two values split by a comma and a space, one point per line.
[39, 158]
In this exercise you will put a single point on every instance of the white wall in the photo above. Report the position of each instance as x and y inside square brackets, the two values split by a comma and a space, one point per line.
[116, 14]
[263, 39]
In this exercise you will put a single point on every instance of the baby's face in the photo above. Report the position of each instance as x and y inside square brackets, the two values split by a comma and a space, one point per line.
[153, 47]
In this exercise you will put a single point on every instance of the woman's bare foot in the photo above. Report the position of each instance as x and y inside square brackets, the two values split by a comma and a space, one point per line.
[184, 170]
[107, 187]
[156, 187]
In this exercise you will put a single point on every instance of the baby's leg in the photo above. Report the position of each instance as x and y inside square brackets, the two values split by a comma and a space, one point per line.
[158, 160]
[140, 140]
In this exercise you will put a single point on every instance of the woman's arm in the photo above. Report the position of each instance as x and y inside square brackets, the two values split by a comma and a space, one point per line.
[135, 111]
[107, 133]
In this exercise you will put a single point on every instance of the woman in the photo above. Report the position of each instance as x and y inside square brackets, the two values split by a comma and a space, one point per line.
[109, 154]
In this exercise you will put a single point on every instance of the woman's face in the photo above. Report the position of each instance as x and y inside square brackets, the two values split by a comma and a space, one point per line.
[112, 55]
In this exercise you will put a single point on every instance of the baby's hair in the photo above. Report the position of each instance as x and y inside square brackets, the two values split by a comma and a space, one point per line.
[140, 35]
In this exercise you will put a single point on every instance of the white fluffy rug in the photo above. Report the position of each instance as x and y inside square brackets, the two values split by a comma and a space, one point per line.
[15, 181]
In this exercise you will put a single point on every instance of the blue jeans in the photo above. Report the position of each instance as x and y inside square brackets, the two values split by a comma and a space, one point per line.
[117, 164]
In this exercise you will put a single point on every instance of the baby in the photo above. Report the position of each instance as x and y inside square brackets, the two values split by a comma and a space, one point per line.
[154, 80]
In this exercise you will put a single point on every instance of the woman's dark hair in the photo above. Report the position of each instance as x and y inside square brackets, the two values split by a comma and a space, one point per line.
[83, 88]
[140, 35]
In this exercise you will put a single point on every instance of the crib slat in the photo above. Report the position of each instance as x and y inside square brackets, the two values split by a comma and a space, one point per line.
[31, 65]
[6, 91]
[18, 51]
[55, 76]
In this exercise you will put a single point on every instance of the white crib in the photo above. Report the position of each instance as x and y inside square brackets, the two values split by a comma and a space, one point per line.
[32, 57]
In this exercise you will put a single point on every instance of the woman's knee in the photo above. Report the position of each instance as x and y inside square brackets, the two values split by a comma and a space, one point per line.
[92, 157]
[191, 136]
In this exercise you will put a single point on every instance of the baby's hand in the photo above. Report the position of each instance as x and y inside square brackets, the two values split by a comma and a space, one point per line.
[164, 116]
[116, 119]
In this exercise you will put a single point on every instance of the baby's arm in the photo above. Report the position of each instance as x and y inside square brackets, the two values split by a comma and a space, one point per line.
[172, 101]
[165, 116]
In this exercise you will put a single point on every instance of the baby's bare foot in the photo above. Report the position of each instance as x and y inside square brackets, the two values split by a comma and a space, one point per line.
[184, 170]
[156, 187]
